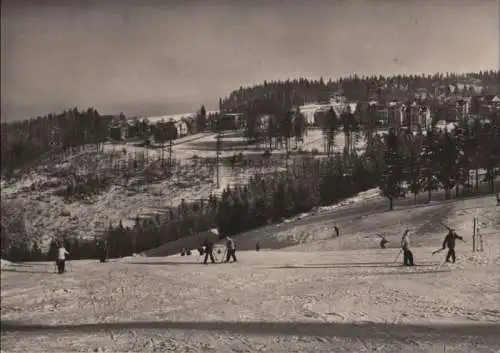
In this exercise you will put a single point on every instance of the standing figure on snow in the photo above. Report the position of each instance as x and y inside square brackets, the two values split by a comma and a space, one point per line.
[102, 248]
[61, 257]
[209, 248]
[405, 246]
[383, 241]
[498, 199]
[337, 232]
[449, 241]
[230, 249]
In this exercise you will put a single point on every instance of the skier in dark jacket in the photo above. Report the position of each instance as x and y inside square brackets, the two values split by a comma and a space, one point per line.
[230, 249]
[337, 231]
[209, 250]
[449, 241]
[405, 246]
[383, 241]
[102, 248]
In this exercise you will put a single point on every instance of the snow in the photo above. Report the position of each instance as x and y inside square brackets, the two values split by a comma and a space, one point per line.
[4, 263]
[175, 117]
[325, 294]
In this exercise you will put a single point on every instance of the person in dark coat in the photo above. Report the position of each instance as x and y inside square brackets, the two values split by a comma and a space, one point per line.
[407, 253]
[230, 249]
[102, 248]
[209, 250]
[337, 231]
[383, 241]
[449, 241]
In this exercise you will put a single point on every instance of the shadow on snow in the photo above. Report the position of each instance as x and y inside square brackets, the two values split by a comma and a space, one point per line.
[365, 329]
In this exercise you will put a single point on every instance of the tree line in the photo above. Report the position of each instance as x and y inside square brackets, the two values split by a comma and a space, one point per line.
[297, 92]
[29, 142]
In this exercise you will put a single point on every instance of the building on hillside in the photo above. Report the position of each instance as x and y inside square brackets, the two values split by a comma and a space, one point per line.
[490, 103]
[394, 114]
[263, 122]
[232, 121]
[182, 128]
[421, 94]
[415, 115]
[372, 109]
[319, 113]
[118, 130]
[308, 111]
[463, 107]
[337, 98]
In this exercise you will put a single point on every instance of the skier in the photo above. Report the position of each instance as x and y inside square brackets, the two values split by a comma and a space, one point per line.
[337, 232]
[498, 199]
[209, 250]
[103, 251]
[257, 246]
[61, 258]
[449, 241]
[405, 245]
[230, 249]
[383, 241]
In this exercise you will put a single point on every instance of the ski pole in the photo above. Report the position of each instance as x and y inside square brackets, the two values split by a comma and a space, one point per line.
[444, 225]
[397, 257]
[437, 251]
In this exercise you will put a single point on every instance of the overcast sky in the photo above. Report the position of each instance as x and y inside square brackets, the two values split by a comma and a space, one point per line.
[163, 59]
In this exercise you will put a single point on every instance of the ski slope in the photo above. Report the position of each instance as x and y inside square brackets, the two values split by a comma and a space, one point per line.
[323, 294]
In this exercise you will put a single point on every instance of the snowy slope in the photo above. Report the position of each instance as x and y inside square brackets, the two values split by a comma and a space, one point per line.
[331, 295]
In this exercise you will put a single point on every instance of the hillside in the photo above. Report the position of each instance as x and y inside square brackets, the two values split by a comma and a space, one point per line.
[325, 295]
[36, 203]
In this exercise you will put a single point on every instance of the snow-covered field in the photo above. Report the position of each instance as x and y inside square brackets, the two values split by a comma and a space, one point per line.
[324, 295]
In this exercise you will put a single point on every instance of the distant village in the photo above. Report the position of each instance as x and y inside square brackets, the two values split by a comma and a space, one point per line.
[448, 103]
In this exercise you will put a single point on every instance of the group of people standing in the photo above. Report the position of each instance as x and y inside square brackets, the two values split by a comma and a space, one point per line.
[448, 242]
[208, 249]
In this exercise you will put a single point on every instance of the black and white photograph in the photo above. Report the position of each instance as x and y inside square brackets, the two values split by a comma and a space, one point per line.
[281, 176]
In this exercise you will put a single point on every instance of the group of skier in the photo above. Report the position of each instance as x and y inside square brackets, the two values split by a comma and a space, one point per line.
[208, 250]
[448, 242]
[208, 244]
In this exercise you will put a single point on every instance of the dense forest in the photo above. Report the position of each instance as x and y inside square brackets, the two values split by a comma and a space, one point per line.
[292, 93]
[399, 162]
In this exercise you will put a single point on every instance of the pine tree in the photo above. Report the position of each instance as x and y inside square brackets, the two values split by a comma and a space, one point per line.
[299, 127]
[414, 165]
[430, 162]
[201, 119]
[392, 177]
[448, 161]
